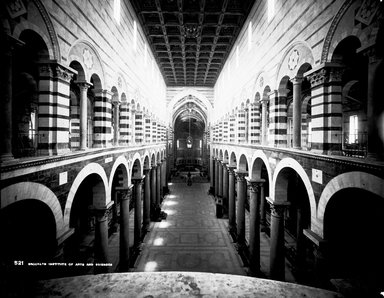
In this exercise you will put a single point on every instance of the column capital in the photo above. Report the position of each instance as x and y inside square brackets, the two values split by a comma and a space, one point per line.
[283, 92]
[83, 84]
[125, 191]
[116, 102]
[254, 184]
[370, 51]
[297, 80]
[53, 69]
[277, 208]
[101, 213]
[230, 169]
[240, 175]
[325, 72]
[138, 180]
[147, 170]
[273, 93]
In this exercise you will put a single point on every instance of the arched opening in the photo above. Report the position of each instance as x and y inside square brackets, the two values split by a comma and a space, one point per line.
[305, 108]
[297, 217]
[118, 189]
[259, 171]
[353, 222]
[306, 123]
[29, 231]
[28, 234]
[286, 98]
[74, 102]
[264, 116]
[115, 116]
[94, 94]
[80, 246]
[139, 125]
[25, 88]
[354, 96]
[189, 128]
[243, 164]
[254, 120]
[136, 204]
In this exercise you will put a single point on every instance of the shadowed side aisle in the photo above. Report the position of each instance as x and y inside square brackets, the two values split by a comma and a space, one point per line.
[191, 238]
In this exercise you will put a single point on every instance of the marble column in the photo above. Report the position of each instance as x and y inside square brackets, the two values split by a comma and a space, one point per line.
[83, 86]
[225, 188]
[212, 175]
[277, 255]
[246, 111]
[263, 213]
[240, 206]
[124, 229]
[297, 111]
[101, 239]
[153, 190]
[166, 174]
[231, 201]
[254, 224]
[147, 200]
[163, 177]
[264, 122]
[6, 91]
[217, 177]
[137, 186]
[158, 184]
[220, 194]
[133, 124]
[374, 144]
[116, 120]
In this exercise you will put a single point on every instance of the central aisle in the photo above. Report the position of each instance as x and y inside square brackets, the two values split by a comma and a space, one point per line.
[191, 238]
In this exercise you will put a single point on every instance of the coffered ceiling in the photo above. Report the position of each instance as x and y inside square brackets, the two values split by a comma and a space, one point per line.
[191, 39]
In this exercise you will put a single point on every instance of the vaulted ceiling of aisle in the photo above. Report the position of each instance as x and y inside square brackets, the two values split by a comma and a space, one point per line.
[191, 39]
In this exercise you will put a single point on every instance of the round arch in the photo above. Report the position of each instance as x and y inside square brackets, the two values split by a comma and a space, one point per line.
[293, 164]
[297, 54]
[232, 160]
[259, 154]
[91, 168]
[31, 190]
[135, 157]
[243, 163]
[121, 160]
[361, 180]
[336, 34]
[83, 50]
[50, 37]
[25, 25]
[195, 93]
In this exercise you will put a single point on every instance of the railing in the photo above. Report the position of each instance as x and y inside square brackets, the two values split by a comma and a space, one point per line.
[26, 145]
[355, 145]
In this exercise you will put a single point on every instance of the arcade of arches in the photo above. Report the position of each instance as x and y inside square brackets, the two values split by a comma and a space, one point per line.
[273, 108]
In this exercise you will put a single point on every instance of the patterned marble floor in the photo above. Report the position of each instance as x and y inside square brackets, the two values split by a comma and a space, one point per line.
[191, 238]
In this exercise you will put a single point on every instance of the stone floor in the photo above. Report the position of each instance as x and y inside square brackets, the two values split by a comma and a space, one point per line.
[172, 285]
[191, 238]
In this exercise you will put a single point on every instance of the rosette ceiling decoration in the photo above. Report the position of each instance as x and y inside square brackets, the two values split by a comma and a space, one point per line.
[191, 39]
